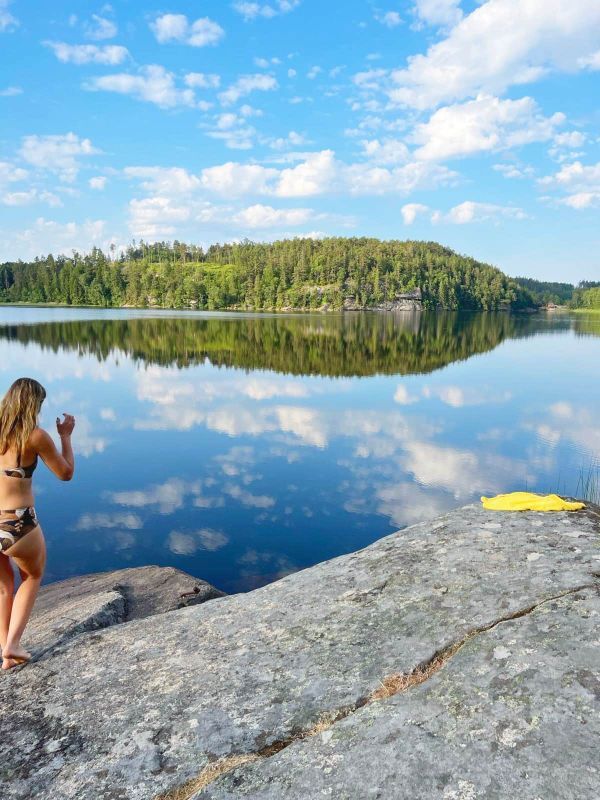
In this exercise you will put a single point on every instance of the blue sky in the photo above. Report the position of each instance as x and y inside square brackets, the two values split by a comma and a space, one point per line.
[472, 124]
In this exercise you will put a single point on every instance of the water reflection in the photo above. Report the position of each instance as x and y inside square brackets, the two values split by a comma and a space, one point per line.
[241, 448]
[338, 345]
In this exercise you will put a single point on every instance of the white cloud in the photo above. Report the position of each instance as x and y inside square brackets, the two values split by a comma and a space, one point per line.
[153, 84]
[100, 28]
[391, 19]
[470, 211]
[260, 216]
[88, 53]
[484, 124]
[293, 139]
[238, 179]
[11, 91]
[580, 183]
[11, 174]
[321, 173]
[30, 196]
[514, 170]
[48, 236]
[387, 151]
[463, 213]
[165, 180]
[177, 28]
[313, 72]
[438, 12]
[411, 211]
[156, 216]
[7, 21]
[202, 80]
[60, 154]
[98, 183]
[488, 52]
[245, 85]
[591, 62]
[252, 10]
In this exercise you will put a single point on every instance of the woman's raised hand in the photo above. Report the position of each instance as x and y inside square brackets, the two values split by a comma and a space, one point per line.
[65, 428]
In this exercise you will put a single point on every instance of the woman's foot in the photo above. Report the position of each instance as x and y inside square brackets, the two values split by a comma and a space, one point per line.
[14, 657]
[11, 663]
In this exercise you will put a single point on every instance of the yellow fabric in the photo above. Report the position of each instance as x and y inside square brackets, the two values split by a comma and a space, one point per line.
[527, 501]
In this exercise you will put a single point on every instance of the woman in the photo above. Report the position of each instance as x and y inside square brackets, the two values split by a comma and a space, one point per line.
[21, 537]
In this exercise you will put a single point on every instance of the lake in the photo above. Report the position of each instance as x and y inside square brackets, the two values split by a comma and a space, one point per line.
[242, 447]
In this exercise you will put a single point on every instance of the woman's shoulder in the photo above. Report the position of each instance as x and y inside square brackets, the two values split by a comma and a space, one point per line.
[38, 437]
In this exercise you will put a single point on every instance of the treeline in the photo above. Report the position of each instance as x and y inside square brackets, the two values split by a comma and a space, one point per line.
[288, 274]
[584, 295]
[587, 297]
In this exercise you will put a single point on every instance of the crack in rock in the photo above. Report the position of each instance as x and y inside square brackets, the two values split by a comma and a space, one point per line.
[390, 686]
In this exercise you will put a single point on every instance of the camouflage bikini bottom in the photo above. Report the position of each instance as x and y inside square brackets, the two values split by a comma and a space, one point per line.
[21, 522]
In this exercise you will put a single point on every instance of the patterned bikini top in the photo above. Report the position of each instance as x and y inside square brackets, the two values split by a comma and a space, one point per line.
[19, 472]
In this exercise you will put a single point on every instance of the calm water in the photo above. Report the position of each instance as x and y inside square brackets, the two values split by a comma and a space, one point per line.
[241, 448]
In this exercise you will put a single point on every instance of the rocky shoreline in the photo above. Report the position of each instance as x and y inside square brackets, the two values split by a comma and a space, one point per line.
[456, 659]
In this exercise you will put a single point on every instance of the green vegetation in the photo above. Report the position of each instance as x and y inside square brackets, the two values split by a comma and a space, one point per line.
[544, 292]
[587, 299]
[588, 484]
[290, 274]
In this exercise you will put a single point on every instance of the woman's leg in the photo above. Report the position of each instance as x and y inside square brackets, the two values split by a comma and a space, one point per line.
[29, 554]
[7, 589]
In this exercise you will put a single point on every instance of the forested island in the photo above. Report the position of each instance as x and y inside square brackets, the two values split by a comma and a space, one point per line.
[294, 274]
[291, 274]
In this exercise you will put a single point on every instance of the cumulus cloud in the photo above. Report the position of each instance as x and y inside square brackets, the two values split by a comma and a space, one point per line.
[153, 84]
[463, 213]
[202, 80]
[386, 151]
[444, 13]
[411, 211]
[484, 124]
[100, 28]
[469, 211]
[253, 10]
[315, 174]
[177, 28]
[261, 216]
[245, 85]
[29, 196]
[60, 153]
[48, 236]
[580, 184]
[485, 53]
[88, 53]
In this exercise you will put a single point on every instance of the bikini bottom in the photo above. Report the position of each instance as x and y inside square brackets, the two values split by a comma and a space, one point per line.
[14, 527]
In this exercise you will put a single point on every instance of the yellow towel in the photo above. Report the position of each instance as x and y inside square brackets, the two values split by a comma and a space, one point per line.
[527, 501]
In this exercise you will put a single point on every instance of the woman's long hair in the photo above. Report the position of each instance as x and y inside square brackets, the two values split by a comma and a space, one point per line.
[19, 412]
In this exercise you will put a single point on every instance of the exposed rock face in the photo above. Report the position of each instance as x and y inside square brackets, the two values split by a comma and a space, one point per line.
[89, 602]
[457, 659]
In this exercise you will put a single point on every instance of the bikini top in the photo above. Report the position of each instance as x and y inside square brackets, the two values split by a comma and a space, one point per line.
[19, 472]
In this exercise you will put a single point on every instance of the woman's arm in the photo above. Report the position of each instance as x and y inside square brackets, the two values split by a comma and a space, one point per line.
[61, 464]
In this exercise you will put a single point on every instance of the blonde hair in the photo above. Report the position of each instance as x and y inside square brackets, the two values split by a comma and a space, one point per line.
[19, 411]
